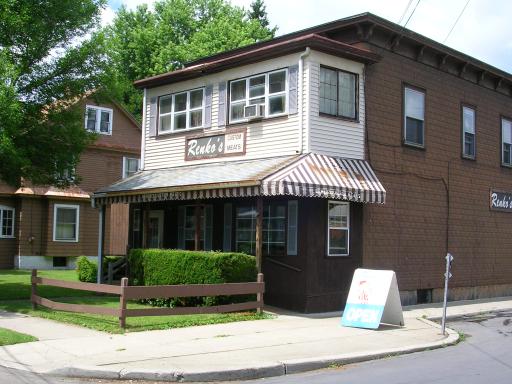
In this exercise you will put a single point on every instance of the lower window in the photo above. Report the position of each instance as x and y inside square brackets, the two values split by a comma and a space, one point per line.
[60, 261]
[274, 229]
[66, 222]
[6, 221]
[338, 229]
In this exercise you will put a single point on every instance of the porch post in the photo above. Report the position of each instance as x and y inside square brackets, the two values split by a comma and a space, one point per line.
[101, 240]
[259, 232]
[197, 234]
[145, 225]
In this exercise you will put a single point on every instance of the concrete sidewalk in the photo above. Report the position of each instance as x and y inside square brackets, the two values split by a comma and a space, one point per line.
[289, 343]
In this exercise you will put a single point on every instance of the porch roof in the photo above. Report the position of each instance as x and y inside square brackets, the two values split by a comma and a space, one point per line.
[308, 175]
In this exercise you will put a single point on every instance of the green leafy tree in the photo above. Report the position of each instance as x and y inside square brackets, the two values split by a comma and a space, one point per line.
[258, 11]
[48, 59]
[146, 42]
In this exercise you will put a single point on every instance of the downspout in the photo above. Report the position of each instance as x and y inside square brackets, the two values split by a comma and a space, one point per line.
[301, 98]
[143, 141]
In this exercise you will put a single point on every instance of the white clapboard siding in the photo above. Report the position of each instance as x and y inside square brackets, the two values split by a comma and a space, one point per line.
[333, 136]
[270, 137]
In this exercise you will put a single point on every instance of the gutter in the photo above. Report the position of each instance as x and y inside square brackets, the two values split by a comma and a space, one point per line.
[301, 98]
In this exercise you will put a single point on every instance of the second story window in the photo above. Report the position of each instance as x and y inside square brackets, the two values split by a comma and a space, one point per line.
[468, 132]
[338, 93]
[181, 111]
[267, 89]
[130, 166]
[414, 117]
[98, 119]
[506, 142]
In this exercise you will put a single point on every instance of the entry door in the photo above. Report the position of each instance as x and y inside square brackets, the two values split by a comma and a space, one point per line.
[156, 229]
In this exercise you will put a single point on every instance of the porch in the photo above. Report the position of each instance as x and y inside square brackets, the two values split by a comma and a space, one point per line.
[300, 216]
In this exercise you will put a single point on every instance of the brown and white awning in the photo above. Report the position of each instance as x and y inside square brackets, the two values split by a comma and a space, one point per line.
[316, 175]
[309, 175]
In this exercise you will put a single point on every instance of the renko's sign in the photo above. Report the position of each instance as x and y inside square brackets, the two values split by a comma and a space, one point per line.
[205, 147]
[501, 201]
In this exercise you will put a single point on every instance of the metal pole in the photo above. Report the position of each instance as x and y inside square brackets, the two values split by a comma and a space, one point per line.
[447, 275]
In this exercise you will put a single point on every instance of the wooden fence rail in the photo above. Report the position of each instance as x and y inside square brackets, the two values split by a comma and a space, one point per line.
[127, 292]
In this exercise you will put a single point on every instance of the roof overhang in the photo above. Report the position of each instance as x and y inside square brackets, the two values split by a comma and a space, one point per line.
[268, 51]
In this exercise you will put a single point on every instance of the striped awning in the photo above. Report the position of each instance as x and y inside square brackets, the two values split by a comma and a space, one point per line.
[309, 175]
[316, 175]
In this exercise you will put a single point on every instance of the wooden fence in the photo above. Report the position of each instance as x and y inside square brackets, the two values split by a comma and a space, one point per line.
[127, 292]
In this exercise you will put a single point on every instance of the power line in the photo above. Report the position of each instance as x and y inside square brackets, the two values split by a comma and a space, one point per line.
[405, 12]
[456, 21]
[412, 13]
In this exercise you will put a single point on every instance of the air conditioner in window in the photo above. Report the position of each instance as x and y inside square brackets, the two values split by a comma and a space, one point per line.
[254, 111]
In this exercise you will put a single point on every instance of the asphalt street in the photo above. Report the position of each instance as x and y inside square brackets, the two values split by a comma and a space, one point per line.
[484, 356]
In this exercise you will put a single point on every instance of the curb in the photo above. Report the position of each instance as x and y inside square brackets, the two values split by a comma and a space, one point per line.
[271, 370]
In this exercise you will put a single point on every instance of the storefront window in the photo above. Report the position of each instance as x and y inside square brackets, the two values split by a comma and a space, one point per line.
[274, 230]
[187, 227]
[338, 228]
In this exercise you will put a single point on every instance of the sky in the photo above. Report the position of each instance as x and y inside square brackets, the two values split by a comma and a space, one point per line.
[483, 30]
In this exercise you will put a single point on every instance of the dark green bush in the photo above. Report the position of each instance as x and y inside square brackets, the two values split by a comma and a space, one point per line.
[173, 267]
[87, 270]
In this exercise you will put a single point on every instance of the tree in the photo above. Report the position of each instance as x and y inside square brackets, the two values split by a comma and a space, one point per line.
[49, 58]
[258, 11]
[143, 43]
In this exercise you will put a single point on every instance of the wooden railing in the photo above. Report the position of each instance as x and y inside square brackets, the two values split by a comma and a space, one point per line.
[127, 292]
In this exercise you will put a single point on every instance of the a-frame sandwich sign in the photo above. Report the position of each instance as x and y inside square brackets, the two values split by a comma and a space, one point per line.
[373, 299]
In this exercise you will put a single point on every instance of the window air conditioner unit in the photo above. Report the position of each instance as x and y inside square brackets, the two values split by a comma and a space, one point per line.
[254, 111]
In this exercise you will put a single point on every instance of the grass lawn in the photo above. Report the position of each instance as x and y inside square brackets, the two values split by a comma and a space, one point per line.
[8, 337]
[15, 284]
[15, 295]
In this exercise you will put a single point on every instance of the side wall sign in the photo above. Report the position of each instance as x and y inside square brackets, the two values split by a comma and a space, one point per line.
[373, 299]
[206, 147]
[501, 201]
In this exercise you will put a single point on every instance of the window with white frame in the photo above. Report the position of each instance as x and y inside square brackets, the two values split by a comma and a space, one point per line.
[269, 89]
[130, 166]
[468, 132]
[506, 142]
[6, 221]
[98, 119]
[338, 93]
[414, 117]
[66, 219]
[181, 111]
[338, 231]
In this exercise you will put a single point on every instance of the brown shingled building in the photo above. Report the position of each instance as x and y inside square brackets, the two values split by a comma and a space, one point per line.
[46, 227]
[356, 143]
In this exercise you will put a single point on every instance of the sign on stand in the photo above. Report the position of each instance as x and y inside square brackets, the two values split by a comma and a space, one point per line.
[373, 299]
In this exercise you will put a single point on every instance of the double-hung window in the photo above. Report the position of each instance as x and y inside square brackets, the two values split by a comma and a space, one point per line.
[98, 119]
[268, 89]
[130, 166]
[181, 111]
[338, 230]
[6, 221]
[66, 219]
[338, 93]
[506, 142]
[414, 117]
[468, 132]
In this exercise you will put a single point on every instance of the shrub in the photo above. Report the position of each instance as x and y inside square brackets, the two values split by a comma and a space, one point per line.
[87, 270]
[173, 267]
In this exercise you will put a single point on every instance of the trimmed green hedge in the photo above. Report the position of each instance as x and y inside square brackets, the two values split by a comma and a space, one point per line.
[173, 267]
[87, 270]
